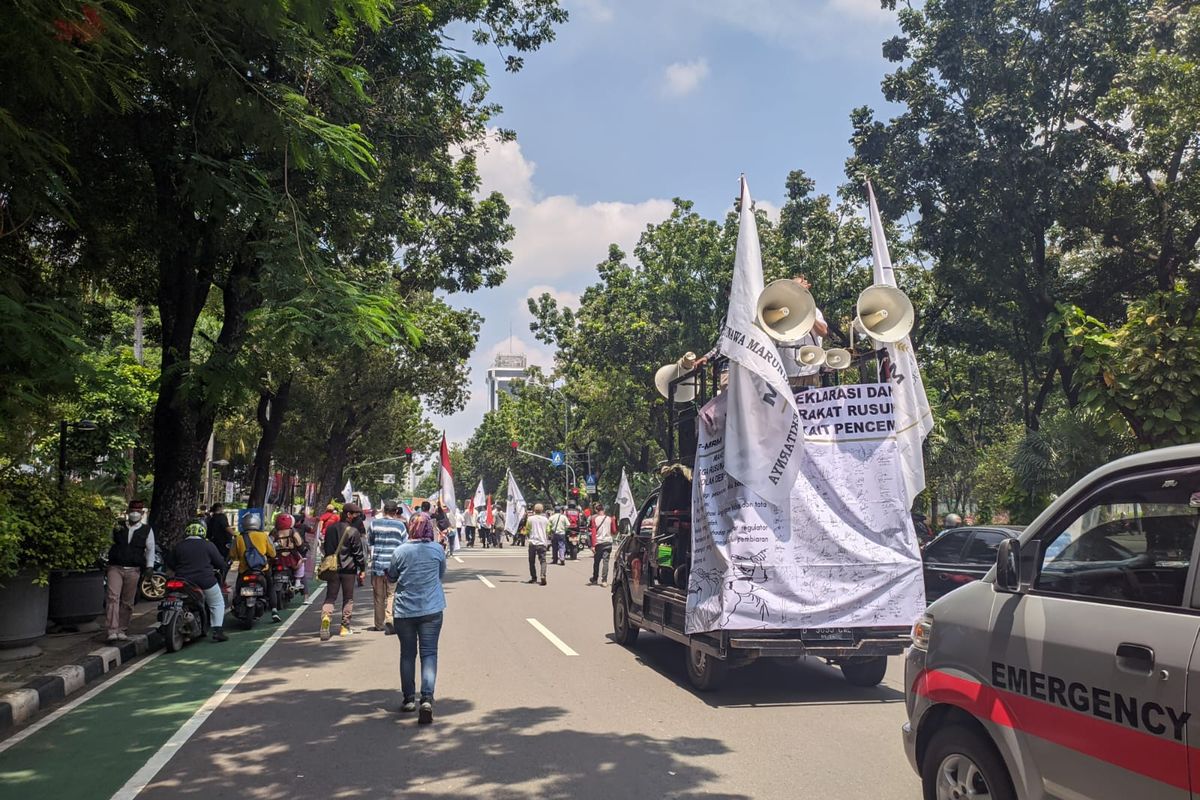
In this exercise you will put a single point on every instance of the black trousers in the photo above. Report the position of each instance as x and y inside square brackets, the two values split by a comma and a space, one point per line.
[470, 536]
[537, 553]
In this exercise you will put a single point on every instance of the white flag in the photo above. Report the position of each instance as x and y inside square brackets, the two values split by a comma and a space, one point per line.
[348, 491]
[480, 499]
[514, 506]
[366, 502]
[762, 430]
[625, 502]
[914, 420]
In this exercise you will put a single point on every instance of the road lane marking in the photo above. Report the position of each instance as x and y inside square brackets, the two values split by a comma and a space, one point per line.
[141, 779]
[554, 640]
[459, 560]
[486, 582]
[16, 738]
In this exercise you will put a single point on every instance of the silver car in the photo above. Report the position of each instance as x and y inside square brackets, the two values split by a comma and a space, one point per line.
[1072, 670]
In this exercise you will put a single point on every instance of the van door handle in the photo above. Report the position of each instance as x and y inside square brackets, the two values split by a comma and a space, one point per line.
[1137, 658]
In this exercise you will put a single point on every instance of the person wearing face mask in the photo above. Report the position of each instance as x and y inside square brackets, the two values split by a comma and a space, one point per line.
[132, 551]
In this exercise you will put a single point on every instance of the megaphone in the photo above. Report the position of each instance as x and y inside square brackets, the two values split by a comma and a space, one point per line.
[837, 358]
[785, 310]
[884, 313]
[811, 356]
[684, 392]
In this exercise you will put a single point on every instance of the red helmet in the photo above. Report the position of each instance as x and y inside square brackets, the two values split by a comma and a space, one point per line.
[284, 521]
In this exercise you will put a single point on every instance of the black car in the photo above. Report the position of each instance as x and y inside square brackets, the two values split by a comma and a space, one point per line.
[962, 555]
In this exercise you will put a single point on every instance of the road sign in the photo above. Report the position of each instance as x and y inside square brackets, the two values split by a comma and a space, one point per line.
[389, 478]
[591, 484]
[558, 458]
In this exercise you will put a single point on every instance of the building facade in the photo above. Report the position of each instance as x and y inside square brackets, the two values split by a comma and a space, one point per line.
[508, 367]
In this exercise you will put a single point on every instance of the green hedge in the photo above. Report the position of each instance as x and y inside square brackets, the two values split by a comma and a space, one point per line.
[41, 528]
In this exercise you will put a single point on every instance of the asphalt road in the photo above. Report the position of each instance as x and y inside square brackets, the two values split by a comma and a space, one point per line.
[516, 716]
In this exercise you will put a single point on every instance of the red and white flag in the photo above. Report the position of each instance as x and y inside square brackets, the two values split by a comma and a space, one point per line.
[446, 480]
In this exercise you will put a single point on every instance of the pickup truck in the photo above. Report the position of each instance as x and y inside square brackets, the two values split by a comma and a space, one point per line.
[650, 584]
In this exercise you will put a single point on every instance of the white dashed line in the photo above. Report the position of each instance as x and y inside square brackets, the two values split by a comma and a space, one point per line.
[554, 640]
[486, 582]
[459, 560]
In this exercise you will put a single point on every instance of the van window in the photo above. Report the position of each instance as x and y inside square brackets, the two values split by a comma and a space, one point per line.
[1132, 543]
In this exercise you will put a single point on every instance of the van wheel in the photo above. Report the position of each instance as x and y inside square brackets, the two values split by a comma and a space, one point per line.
[961, 763]
[704, 671]
[864, 672]
[624, 631]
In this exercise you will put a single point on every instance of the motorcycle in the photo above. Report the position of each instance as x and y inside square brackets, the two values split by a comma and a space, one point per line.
[250, 598]
[182, 613]
[153, 583]
[284, 579]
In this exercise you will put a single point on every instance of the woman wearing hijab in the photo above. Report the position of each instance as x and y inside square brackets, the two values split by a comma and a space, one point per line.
[417, 567]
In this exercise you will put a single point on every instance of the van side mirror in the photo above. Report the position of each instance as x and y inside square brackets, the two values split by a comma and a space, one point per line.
[1008, 560]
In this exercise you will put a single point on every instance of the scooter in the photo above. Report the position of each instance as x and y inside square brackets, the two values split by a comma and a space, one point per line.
[284, 579]
[152, 585]
[182, 613]
[250, 598]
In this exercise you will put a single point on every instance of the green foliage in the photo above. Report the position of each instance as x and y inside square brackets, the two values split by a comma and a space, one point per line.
[1145, 372]
[46, 530]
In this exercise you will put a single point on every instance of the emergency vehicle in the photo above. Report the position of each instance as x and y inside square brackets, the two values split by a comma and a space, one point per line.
[1073, 669]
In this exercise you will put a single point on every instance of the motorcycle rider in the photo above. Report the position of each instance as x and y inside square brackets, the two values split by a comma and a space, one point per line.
[260, 541]
[290, 548]
[197, 560]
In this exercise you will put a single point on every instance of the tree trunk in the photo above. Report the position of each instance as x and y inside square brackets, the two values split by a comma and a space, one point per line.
[271, 410]
[337, 457]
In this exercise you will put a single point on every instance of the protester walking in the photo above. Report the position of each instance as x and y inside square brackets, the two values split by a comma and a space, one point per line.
[343, 550]
[603, 528]
[539, 540]
[472, 516]
[131, 551]
[416, 568]
[387, 533]
[559, 522]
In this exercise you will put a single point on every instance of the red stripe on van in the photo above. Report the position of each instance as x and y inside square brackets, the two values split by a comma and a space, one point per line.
[1144, 753]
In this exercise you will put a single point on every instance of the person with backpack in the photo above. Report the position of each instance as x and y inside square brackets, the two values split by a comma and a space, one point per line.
[341, 568]
[253, 550]
[603, 528]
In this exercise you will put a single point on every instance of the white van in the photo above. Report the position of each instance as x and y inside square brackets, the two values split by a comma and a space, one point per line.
[1072, 670]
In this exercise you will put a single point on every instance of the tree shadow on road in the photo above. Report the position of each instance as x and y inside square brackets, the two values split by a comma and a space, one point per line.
[355, 744]
[767, 682]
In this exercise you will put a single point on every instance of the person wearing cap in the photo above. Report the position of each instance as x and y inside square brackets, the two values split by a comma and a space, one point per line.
[387, 533]
[559, 522]
[330, 518]
[131, 551]
[344, 540]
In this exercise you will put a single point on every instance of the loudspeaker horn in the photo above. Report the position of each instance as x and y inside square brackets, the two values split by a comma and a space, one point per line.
[837, 358]
[884, 312]
[811, 355]
[785, 310]
[684, 392]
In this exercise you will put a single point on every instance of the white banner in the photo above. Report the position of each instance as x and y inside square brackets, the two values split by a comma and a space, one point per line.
[625, 501]
[480, 499]
[228, 491]
[844, 555]
[514, 505]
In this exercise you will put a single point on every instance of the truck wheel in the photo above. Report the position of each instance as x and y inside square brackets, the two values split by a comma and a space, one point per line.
[704, 671]
[864, 671]
[960, 762]
[624, 631]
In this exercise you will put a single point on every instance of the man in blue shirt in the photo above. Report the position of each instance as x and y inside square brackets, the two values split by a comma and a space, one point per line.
[387, 533]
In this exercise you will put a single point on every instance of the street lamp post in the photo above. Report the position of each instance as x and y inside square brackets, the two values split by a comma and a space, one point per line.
[63, 425]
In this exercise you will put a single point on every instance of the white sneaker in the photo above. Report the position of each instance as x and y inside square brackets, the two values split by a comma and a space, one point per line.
[122, 637]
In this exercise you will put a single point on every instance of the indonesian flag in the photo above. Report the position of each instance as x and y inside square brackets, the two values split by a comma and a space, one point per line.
[479, 499]
[914, 420]
[446, 478]
[491, 520]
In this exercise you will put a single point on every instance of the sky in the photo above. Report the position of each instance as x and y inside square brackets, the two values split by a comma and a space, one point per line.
[636, 103]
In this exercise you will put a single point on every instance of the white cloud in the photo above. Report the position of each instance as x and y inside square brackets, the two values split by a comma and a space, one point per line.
[597, 10]
[769, 207]
[564, 298]
[684, 77]
[816, 29]
[557, 236]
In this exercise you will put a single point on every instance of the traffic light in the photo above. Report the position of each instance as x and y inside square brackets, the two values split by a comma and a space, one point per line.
[514, 445]
[408, 455]
[574, 492]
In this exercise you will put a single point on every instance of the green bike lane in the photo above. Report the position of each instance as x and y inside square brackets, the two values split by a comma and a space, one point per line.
[92, 750]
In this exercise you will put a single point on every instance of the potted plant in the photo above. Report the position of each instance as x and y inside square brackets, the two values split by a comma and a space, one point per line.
[43, 530]
[79, 537]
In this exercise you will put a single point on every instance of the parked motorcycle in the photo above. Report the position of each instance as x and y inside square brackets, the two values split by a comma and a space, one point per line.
[284, 578]
[153, 583]
[182, 613]
[250, 598]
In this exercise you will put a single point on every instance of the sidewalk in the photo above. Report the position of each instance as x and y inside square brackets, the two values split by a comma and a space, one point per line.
[68, 662]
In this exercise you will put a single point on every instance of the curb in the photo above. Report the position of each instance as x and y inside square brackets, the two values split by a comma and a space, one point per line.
[21, 705]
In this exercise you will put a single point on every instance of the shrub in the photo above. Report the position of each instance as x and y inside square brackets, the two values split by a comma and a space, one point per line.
[41, 528]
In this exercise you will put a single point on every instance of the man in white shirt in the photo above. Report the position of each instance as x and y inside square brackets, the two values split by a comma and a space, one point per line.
[471, 517]
[602, 542]
[539, 540]
[558, 536]
[804, 374]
